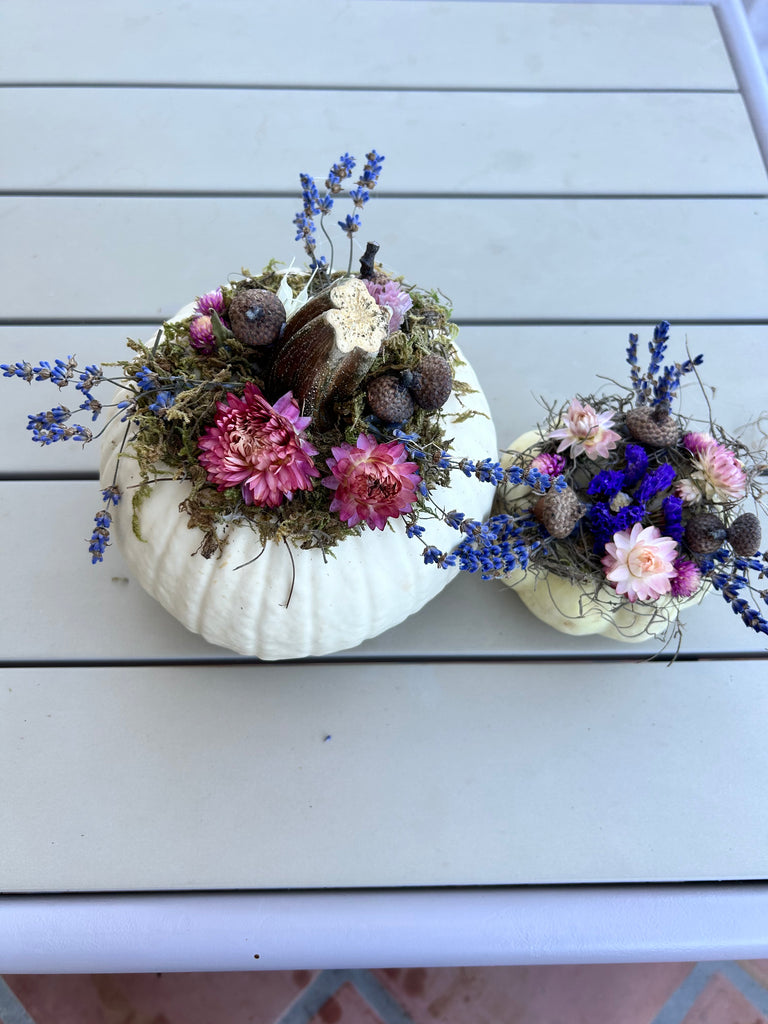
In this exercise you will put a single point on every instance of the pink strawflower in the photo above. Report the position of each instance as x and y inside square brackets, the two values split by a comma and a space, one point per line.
[552, 465]
[210, 302]
[394, 298]
[201, 336]
[258, 446]
[373, 482]
[688, 579]
[585, 430]
[719, 473]
[640, 563]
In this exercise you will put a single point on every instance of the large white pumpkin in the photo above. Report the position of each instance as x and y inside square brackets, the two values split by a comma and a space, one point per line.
[584, 610]
[291, 604]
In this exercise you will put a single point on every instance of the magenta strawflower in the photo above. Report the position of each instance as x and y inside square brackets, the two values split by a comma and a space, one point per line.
[552, 465]
[586, 430]
[688, 579]
[201, 336]
[394, 298]
[373, 482]
[210, 302]
[695, 442]
[258, 446]
[640, 563]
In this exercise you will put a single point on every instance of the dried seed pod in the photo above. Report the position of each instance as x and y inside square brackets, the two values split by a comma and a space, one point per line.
[257, 316]
[389, 399]
[328, 346]
[705, 533]
[431, 382]
[653, 426]
[744, 534]
[558, 512]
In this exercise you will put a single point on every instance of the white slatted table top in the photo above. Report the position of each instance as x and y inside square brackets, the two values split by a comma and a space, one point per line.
[566, 173]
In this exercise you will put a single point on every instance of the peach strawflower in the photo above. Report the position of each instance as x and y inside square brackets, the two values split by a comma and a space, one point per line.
[258, 446]
[585, 430]
[640, 563]
[373, 482]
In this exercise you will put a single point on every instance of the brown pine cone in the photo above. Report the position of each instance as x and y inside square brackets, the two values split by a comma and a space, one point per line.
[558, 512]
[705, 533]
[431, 382]
[389, 399]
[257, 316]
[653, 426]
[744, 534]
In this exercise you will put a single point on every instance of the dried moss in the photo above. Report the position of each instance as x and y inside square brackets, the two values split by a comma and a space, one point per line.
[165, 441]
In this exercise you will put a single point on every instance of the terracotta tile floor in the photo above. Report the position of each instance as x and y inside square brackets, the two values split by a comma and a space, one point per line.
[704, 993]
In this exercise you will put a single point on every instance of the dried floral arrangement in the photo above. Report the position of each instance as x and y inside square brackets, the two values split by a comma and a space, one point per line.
[639, 512]
[284, 401]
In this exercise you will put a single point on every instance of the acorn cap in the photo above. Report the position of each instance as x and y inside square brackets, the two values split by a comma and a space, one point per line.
[558, 512]
[705, 533]
[744, 534]
[431, 382]
[257, 316]
[389, 399]
[653, 426]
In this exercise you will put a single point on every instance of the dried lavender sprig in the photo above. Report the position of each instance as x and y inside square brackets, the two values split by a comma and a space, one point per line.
[730, 586]
[60, 373]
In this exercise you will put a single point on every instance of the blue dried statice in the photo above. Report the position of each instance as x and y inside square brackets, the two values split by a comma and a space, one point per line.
[604, 522]
[659, 479]
[608, 482]
[672, 508]
[637, 464]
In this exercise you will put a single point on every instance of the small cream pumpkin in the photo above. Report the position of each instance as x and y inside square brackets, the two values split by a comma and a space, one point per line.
[291, 604]
[586, 609]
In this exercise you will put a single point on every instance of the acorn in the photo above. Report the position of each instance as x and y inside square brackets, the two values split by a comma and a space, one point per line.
[389, 399]
[744, 534]
[653, 426]
[431, 382]
[558, 512]
[705, 533]
[257, 316]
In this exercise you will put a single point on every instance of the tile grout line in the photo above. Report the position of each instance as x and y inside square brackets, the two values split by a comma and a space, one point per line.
[307, 1003]
[11, 1010]
[746, 984]
[379, 998]
[682, 1000]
